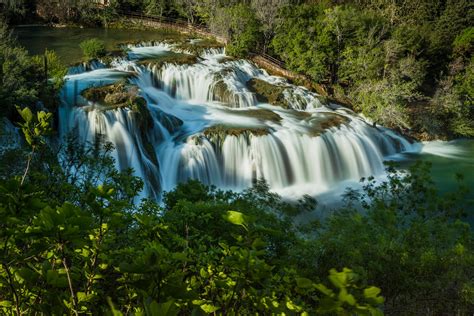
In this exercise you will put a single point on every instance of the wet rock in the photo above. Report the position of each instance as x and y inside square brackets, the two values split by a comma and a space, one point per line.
[321, 122]
[261, 114]
[268, 93]
[197, 46]
[219, 132]
[221, 93]
[170, 58]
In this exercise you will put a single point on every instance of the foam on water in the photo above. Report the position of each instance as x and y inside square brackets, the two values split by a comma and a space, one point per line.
[308, 148]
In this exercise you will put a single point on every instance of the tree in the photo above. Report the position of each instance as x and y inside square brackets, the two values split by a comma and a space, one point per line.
[303, 43]
[243, 30]
[268, 13]
[23, 79]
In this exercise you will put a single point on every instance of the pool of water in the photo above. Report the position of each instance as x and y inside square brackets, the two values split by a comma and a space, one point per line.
[65, 41]
[447, 159]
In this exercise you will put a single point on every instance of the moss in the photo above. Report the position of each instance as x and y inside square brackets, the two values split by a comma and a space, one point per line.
[225, 59]
[173, 58]
[268, 93]
[121, 95]
[98, 94]
[198, 46]
[220, 132]
[301, 115]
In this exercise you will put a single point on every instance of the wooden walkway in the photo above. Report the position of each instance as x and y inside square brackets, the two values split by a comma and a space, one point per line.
[263, 60]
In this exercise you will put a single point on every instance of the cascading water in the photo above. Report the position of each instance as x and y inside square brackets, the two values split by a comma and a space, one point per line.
[208, 125]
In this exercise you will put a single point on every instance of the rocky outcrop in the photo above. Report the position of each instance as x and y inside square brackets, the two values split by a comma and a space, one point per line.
[218, 133]
[170, 58]
[268, 93]
[321, 122]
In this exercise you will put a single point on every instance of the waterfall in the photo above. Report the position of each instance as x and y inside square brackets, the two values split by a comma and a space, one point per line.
[208, 125]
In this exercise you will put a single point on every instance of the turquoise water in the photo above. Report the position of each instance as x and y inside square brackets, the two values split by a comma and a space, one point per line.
[447, 160]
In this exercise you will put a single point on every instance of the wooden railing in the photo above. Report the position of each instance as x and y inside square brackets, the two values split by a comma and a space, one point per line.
[165, 20]
[181, 23]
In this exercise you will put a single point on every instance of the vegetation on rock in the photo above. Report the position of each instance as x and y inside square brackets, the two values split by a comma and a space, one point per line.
[220, 132]
[121, 95]
[171, 58]
[268, 93]
[322, 122]
[93, 48]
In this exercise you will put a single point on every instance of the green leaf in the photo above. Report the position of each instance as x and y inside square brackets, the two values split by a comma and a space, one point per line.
[6, 303]
[323, 289]
[161, 309]
[236, 218]
[344, 296]
[304, 283]
[372, 292]
[25, 114]
[209, 308]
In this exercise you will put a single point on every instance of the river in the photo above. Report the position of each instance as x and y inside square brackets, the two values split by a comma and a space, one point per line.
[228, 138]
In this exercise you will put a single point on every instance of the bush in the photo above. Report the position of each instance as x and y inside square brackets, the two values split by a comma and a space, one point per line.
[93, 48]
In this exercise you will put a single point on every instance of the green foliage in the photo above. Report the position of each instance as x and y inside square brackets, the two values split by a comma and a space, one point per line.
[24, 80]
[464, 42]
[302, 42]
[93, 48]
[35, 128]
[406, 239]
[243, 30]
[74, 242]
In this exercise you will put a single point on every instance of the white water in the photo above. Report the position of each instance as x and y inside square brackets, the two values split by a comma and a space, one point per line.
[184, 100]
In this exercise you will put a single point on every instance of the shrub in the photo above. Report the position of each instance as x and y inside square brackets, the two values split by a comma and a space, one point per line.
[93, 48]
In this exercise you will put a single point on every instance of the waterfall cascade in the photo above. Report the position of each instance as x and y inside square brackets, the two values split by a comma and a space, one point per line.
[209, 125]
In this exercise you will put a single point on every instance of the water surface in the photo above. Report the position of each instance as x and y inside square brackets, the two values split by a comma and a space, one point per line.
[65, 41]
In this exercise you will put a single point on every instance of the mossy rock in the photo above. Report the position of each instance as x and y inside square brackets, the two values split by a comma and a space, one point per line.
[171, 58]
[226, 59]
[219, 132]
[198, 46]
[141, 113]
[121, 95]
[268, 93]
[100, 94]
[321, 122]
[222, 93]
[301, 115]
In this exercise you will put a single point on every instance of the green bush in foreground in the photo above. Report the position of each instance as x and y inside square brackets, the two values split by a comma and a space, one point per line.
[74, 242]
[93, 48]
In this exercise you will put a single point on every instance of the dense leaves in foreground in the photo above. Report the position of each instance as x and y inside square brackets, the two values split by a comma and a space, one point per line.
[75, 240]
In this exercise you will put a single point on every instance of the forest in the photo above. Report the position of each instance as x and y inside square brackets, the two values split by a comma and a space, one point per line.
[76, 240]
